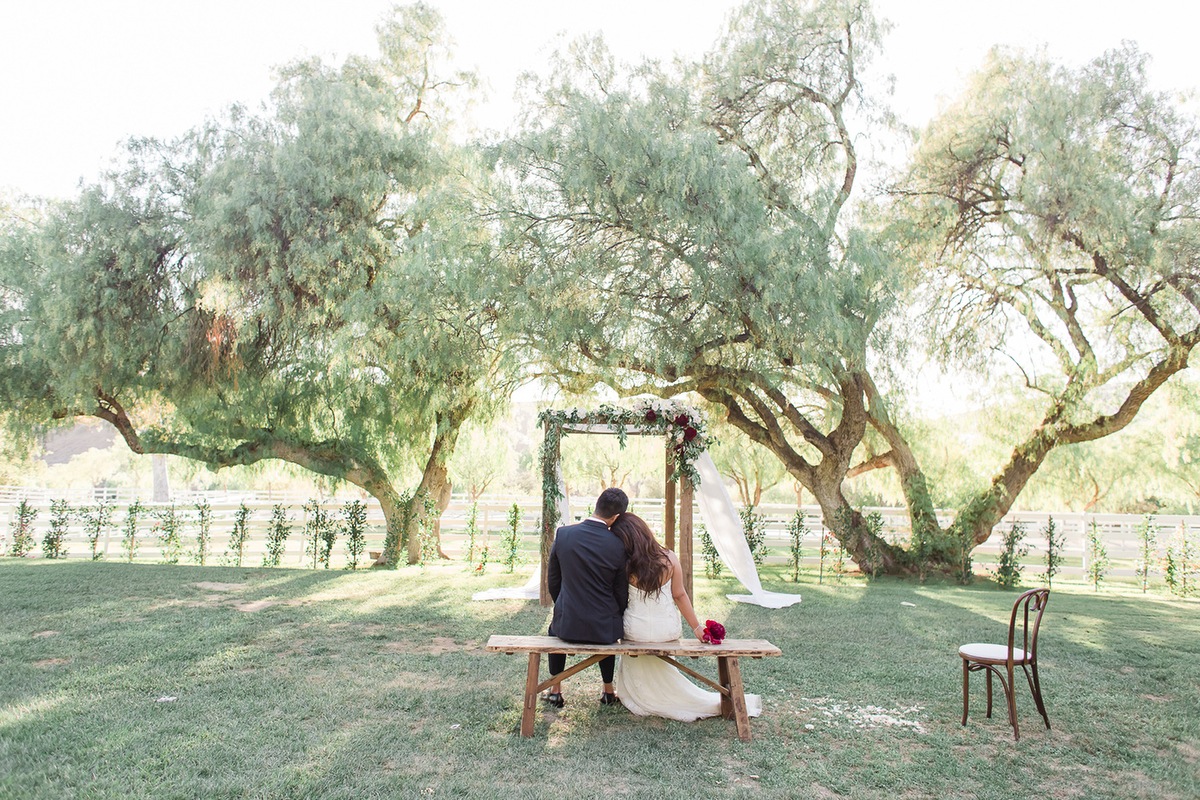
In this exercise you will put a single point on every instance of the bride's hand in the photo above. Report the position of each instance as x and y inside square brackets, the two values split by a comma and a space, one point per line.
[698, 632]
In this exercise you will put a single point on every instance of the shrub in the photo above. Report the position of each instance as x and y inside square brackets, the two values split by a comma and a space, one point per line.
[512, 539]
[22, 529]
[277, 535]
[1054, 548]
[484, 552]
[235, 552]
[964, 567]
[1147, 534]
[796, 533]
[1012, 550]
[354, 525]
[708, 551]
[1181, 564]
[319, 534]
[873, 559]
[54, 542]
[831, 548]
[472, 531]
[129, 538]
[203, 531]
[168, 535]
[1097, 556]
[755, 527]
[95, 522]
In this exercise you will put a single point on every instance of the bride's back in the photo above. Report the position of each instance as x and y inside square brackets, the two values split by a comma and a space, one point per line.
[652, 616]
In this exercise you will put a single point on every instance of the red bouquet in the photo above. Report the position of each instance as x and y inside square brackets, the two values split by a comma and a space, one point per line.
[714, 632]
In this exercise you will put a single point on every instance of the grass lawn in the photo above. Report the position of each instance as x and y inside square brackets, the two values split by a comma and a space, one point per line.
[142, 681]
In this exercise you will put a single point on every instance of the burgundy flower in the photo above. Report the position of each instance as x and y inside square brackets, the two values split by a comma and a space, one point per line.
[689, 433]
[682, 420]
[651, 416]
[714, 632]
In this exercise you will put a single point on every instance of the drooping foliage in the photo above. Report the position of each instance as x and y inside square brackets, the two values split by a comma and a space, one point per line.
[688, 229]
[296, 284]
[1052, 218]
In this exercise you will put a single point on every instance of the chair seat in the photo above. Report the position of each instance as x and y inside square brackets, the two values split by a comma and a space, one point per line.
[991, 653]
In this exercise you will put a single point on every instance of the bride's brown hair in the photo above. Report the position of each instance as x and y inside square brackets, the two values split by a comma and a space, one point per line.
[648, 563]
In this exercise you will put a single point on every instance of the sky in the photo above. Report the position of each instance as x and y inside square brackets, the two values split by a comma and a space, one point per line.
[77, 77]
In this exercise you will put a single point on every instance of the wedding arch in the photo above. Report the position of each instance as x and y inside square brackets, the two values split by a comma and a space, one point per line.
[685, 431]
[688, 464]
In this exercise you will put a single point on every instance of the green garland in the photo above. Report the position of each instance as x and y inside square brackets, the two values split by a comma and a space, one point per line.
[683, 426]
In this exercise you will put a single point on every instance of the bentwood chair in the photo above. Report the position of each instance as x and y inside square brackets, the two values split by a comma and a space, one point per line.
[1001, 660]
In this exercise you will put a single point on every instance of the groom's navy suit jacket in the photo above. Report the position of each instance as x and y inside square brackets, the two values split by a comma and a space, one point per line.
[589, 583]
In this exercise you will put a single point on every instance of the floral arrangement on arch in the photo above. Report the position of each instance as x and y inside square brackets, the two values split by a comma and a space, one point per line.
[683, 426]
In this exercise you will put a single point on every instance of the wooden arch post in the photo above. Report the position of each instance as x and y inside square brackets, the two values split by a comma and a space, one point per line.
[684, 547]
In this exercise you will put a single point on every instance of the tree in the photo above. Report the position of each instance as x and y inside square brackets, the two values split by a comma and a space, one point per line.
[295, 285]
[686, 229]
[1051, 219]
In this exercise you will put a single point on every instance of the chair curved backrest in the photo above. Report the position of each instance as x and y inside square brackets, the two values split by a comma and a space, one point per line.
[1027, 616]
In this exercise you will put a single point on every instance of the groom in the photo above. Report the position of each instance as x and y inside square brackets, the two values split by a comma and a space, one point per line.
[590, 587]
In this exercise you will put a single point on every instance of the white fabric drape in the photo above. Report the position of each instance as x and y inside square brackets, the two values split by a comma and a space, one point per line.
[530, 591]
[724, 527]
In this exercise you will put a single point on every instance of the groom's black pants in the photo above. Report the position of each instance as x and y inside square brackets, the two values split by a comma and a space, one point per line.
[557, 662]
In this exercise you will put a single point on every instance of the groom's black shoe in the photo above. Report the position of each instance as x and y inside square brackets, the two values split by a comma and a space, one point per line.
[609, 699]
[554, 699]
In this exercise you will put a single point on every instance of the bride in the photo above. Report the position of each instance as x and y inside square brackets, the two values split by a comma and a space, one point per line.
[649, 686]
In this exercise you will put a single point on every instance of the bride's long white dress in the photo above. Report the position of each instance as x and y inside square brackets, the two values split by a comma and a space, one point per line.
[649, 686]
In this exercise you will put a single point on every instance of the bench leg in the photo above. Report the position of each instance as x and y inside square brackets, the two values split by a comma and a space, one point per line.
[723, 679]
[737, 696]
[531, 694]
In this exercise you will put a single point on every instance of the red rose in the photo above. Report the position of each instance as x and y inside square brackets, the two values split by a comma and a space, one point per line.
[682, 420]
[651, 416]
[689, 433]
[714, 632]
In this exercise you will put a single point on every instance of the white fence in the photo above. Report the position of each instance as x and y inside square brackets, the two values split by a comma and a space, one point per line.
[1118, 532]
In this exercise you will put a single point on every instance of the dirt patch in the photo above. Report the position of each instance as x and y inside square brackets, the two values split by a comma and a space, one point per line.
[1157, 698]
[44, 634]
[436, 646]
[254, 605]
[1189, 753]
[176, 603]
[219, 587]
[52, 662]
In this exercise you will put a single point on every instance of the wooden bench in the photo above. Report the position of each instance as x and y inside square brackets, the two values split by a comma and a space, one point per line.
[733, 696]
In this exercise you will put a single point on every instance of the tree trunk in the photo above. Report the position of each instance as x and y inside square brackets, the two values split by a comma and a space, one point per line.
[434, 487]
[824, 478]
[161, 480]
[873, 554]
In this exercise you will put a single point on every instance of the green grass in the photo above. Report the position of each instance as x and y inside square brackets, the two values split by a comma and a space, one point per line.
[326, 684]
